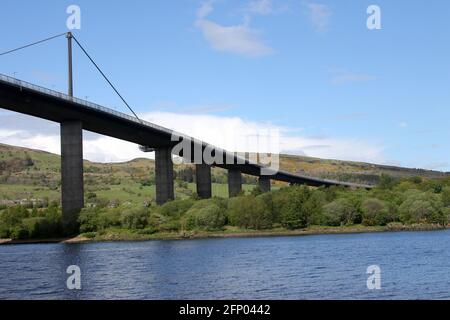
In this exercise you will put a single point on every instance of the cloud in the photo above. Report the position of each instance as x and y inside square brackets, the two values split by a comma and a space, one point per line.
[403, 124]
[238, 39]
[205, 9]
[319, 15]
[230, 133]
[263, 7]
[342, 76]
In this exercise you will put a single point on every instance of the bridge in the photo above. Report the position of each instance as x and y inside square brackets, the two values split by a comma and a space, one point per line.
[76, 115]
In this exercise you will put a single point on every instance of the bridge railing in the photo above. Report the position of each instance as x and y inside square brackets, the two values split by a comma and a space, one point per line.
[85, 103]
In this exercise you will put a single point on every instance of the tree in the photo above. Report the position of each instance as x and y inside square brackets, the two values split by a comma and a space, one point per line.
[445, 196]
[375, 212]
[297, 212]
[422, 207]
[340, 211]
[250, 212]
[206, 214]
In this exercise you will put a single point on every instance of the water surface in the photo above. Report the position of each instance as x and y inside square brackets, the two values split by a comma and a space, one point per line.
[414, 265]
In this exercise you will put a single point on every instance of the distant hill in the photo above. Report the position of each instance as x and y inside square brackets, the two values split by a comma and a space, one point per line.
[27, 173]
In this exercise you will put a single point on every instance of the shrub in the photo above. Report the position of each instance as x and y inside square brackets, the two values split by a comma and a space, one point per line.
[206, 214]
[89, 220]
[250, 212]
[297, 212]
[90, 235]
[38, 228]
[340, 211]
[176, 208]
[445, 196]
[13, 216]
[375, 212]
[135, 218]
[18, 232]
[422, 207]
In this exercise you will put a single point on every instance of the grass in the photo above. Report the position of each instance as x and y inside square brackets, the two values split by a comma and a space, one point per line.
[134, 193]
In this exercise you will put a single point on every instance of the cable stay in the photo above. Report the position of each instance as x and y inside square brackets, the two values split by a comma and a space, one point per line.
[87, 55]
[32, 44]
[105, 77]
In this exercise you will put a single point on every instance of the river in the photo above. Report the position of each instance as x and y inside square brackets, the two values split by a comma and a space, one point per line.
[413, 265]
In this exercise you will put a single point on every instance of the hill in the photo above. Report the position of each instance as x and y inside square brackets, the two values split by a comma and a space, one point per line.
[34, 174]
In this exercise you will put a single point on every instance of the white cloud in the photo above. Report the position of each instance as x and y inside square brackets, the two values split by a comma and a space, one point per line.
[238, 39]
[319, 15]
[205, 9]
[403, 124]
[262, 7]
[230, 133]
[342, 76]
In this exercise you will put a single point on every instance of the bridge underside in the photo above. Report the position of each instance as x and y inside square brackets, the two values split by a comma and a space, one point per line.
[75, 117]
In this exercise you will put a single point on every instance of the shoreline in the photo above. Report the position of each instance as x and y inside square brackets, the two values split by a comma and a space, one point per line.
[112, 237]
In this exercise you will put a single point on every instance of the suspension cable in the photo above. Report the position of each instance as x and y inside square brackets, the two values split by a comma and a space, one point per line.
[32, 44]
[106, 78]
[89, 57]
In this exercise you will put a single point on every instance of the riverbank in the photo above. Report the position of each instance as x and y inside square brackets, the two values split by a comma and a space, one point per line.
[117, 234]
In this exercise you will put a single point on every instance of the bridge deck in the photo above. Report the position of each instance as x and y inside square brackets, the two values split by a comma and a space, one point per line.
[20, 96]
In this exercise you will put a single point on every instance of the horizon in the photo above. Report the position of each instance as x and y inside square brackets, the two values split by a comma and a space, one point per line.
[281, 155]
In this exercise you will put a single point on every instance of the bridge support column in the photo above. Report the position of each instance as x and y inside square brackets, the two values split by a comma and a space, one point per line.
[164, 175]
[72, 184]
[203, 180]
[234, 182]
[264, 183]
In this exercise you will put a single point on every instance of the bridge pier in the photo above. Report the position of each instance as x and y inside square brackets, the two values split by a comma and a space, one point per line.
[72, 184]
[234, 182]
[164, 175]
[203, 180]
[264, 183]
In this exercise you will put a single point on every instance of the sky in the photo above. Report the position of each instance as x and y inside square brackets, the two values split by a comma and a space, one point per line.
[310, 70]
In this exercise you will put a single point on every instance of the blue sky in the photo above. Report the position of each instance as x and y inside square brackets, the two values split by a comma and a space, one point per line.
[312, 68]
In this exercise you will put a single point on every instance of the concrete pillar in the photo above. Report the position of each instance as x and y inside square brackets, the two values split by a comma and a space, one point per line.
[234, 182]
[72, 185]
[264, 183]
[164, 175]
[203, 180]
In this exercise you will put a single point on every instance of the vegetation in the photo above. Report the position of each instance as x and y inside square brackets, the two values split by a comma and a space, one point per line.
[398, 205]
[119, 200]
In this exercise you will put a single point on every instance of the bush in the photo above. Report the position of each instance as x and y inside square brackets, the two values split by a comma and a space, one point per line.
[250, 212]
[206, 214]
[176, 208]
[135, 218]
[18, 232]
[296, 213]
[445, 196]
[90, 235]
[13, 216]
[422, 207]
[375, 212]
[38, 228]
[4, 232]
[340, 211]
[89, 220]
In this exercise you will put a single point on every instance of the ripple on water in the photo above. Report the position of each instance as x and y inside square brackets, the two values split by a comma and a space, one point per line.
[414, 265]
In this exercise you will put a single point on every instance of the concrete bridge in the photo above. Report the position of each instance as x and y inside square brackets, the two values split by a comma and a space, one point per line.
[76, 115]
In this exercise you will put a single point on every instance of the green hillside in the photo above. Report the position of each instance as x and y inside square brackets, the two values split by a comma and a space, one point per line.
[33, 174]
